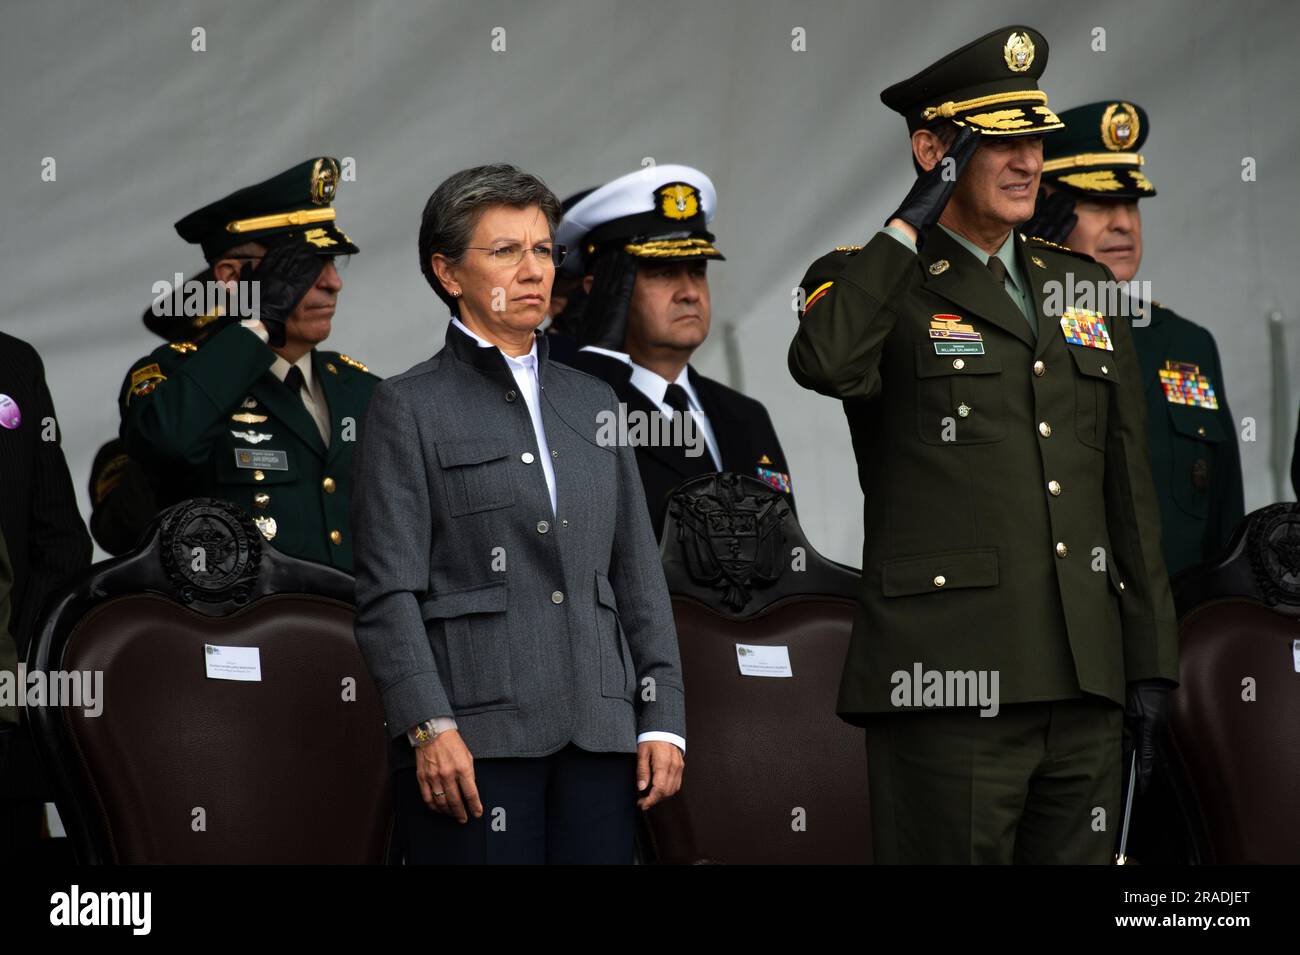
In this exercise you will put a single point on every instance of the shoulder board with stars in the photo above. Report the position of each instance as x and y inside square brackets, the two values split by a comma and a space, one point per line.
[183, 347]
[1046, 243]
[347, 360]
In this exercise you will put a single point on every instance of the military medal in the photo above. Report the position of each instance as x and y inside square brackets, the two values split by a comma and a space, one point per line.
[1185, 385]
[252, 437]
[955, 337]
[1084, 327]
[774, 479]
[10, 416]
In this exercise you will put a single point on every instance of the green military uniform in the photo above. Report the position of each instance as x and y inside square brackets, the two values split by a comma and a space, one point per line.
[1010, 522]
[1192, 436]
[214, 419]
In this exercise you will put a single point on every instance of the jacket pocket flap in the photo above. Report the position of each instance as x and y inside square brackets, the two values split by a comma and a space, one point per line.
[605, 592]
[930, 573]
[490, 598]
[1201, 424]
[1094, 362]
[470, 451]
[931, 365]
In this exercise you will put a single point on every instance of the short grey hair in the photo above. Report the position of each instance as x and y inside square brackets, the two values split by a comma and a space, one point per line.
[453, 211]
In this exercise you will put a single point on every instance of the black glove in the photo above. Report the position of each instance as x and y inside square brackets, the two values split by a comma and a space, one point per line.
[1054, 217]
[924, 204]
[284, 276]
[1144, 721]
[604, 317]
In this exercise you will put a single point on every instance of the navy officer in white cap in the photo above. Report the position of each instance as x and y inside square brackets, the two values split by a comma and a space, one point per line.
[643, 245]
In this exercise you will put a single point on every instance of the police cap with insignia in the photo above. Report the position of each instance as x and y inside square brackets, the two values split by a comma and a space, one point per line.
[1098, 155]
[990, 85]
[293, 206]
[660, 213]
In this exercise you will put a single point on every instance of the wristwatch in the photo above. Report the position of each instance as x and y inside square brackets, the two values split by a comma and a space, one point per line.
[422, 734]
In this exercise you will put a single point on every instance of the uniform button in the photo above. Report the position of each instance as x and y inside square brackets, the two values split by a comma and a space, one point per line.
[1105, 370]
[1061, 549]
[1121, 585]
[555, 454]
[940, 580]
[959, 363]
[565, 522]
[526, 457]
[1039, 368]
[259, 476]
[261, 499]
[329, 485]
[543, 527]
[1201, 431]
[510, 396]
[336, 537]
[1044, 429]
[557, 597]
[1055, 488]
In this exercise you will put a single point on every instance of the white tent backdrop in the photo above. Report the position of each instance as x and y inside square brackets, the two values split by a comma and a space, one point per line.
[144, 129]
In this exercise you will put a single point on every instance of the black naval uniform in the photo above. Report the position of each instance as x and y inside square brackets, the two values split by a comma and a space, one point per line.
[747, 442]
[654, 216]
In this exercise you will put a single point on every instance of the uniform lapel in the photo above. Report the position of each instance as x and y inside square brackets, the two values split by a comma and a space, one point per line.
[288, 410]
[969, 284]
[334, 389]
[1048, 325]
[725, 432]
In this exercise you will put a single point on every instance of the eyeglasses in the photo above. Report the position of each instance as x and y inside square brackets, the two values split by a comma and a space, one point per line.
[510, 255]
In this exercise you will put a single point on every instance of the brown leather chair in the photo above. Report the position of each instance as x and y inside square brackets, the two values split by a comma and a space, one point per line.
[179, 767]
[773, 775]
[1235, 765]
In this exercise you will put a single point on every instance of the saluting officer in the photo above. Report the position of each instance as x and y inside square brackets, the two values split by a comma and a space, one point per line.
[256, 413]
[643, 246]
[1093, 178]
[1011, 530]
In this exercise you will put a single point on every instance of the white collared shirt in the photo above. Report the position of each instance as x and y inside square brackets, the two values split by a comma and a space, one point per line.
[654, 386]
[524, 368]
[313, 396]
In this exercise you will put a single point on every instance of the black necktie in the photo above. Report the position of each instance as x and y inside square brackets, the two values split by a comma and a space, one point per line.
[675, 397]
[999, 271]
[294, 380]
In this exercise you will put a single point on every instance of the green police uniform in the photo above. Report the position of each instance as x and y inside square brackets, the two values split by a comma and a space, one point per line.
[1010, 526]
[214, 418]
[1192, 437]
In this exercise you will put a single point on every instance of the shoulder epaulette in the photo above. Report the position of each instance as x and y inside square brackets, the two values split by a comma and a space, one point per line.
[1047, 243]
[354, 363]
[848, 248]
[183, 347]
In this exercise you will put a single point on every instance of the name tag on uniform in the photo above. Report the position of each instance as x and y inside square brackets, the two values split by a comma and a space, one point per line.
[261, 459]
[1084, 327]
[1185, 385]
[959, 348]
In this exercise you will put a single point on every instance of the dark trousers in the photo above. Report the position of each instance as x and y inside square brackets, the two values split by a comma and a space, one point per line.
[571, 807]
[1039, 783]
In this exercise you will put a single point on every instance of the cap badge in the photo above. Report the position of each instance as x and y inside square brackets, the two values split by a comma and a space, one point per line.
[1019, 52]
[324, 181]
[1119, 126]
[677, 200]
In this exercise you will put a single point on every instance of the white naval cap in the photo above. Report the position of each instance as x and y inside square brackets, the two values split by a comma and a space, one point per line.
[659, 212]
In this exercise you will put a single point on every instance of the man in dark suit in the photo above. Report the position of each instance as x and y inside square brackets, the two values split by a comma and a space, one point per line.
[642, 243]
[47, 544]
[1012, 533]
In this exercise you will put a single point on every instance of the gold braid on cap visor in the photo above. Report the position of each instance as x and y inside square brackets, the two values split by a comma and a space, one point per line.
[663, 248]
[998, 121]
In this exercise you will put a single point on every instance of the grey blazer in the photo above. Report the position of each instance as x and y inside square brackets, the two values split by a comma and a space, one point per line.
[533, 628]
